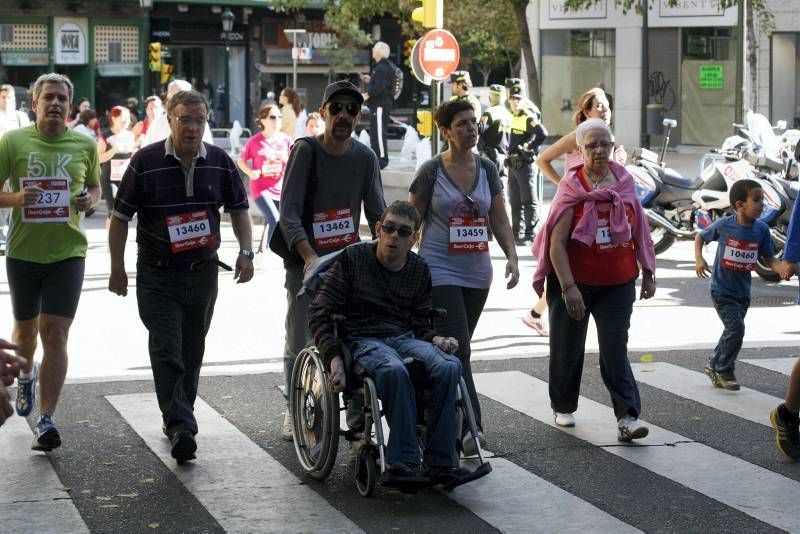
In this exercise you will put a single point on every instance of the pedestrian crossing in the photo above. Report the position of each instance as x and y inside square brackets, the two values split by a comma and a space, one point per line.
[246, 485]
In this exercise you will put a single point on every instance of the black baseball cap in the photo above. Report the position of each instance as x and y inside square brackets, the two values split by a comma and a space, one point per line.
[342, 87]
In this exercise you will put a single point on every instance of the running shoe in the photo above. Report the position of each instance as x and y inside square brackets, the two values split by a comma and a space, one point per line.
[564, 419]
[787, 435]
[183, 446]
[727, 380]
[26, 393]
[287, 430]
[45, 435]
[537, 323]
[631, 428]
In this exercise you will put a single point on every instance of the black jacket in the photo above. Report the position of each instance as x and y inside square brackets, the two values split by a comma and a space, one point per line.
[381, 85]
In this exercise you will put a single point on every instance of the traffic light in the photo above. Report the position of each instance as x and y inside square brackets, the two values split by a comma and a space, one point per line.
[408, 47]
[430, 14]
[166, 73]
[425, 123]
[154, 57]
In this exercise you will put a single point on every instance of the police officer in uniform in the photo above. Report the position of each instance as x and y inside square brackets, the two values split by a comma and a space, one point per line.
[495, 129]
[527, 135]
[461, 85]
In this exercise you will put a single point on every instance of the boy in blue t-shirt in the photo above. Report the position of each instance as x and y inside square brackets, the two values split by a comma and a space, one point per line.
[784, 418]
[741, 239]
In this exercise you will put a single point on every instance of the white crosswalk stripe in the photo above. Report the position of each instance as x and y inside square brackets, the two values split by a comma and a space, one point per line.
[694, 465]
[236, 477]
[32, 498]
[781, 365]
[745, 403]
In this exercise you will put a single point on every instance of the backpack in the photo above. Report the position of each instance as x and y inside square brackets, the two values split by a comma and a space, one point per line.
[398, 77]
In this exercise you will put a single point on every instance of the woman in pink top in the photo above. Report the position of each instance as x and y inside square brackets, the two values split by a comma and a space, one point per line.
[593, 104]
[267, 154]
[595, 242]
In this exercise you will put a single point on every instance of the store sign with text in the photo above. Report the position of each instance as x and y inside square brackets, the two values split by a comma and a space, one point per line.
[691, 8]
[70, 41]
[557, 10]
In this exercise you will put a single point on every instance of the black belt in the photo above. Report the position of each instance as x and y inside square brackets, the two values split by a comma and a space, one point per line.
[163, 262]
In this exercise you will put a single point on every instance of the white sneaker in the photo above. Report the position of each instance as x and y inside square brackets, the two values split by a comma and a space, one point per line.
[287, 431]
[631, 428]
[564, 419]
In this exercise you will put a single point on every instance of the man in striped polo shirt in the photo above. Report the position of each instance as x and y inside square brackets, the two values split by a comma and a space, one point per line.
[176, 187]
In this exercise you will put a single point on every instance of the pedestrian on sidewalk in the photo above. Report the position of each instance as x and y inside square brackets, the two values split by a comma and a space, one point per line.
[596, 239]
[741, 240]
[459, 194]
[327, 180]
[379, 96]
[290, 109]
[267, 153]
[54, 175]
[784, 418]
[176, 188]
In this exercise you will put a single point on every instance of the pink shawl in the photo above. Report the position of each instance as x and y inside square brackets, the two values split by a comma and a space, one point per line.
[571, 193]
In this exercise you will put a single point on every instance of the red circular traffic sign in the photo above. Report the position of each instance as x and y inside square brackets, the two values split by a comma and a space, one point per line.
[438, 54]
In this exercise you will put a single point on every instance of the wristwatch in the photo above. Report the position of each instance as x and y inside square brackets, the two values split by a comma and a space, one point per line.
[246, 252]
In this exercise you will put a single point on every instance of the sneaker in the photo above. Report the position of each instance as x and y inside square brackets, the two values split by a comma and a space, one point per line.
[45, 435]
[468, 446]
[787, 435]
[537, 323]
[712, 375]
[631, 428]
[183, 446]
[287, 430]
[26, 393]
[728, 381]
[564, 419]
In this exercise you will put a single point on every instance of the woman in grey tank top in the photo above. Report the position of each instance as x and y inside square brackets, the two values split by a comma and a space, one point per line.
[460, 196]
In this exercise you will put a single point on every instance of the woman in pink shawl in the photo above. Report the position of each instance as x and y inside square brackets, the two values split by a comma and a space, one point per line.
[595, 241]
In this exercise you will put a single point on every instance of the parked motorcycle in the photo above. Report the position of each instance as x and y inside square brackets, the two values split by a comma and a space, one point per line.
[668, 197]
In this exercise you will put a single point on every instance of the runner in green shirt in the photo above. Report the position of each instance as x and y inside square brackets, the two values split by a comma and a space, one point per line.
[54, 177]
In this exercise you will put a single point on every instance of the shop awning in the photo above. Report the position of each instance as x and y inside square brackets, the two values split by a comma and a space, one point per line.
[309, 4]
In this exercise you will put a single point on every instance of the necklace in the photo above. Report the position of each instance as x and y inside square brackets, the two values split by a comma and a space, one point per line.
[596, 183]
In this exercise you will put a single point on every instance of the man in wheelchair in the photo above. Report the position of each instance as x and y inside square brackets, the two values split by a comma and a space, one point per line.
[384, 291]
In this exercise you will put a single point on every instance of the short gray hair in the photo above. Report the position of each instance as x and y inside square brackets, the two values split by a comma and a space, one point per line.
[52, 77]
[177, 85]
[591, 125]
[7, 88]
[186, 98]
[382, 49]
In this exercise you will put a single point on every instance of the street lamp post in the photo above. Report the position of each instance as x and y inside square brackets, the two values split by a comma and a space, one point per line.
[227, 27]
[294, 32]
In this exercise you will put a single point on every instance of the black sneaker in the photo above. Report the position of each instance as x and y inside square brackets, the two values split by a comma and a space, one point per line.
[787, 435]
[45, 435]
[183, 446]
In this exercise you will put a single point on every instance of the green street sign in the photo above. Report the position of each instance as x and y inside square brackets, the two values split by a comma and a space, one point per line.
[712, 77]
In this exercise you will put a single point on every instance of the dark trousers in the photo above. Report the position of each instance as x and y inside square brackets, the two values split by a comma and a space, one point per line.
[523, 200]
[611, 307]
[378, 123]
[464, 306]
[176, 308]
[297, 333]
[732, 312]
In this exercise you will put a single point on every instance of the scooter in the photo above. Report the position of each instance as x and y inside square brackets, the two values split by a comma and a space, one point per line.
[667, 197]
[779, 199]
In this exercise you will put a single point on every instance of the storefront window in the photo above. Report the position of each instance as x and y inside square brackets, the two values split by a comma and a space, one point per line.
[785, 83]
[708, 76]
[573, 61]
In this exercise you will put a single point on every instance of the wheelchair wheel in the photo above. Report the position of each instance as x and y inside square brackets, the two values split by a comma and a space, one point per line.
[315, 414]
[366, 473]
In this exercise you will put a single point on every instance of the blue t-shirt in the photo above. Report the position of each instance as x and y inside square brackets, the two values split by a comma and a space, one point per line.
[739, 247]
[792, 250]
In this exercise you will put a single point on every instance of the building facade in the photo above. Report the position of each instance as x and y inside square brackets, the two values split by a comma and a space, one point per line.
[100, 45]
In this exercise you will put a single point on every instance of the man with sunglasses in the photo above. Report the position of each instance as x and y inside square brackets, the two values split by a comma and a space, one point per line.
[176, 188]
[327, 179]
[384, 291]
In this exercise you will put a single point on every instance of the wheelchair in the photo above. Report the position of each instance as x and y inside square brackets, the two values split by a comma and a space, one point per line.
[317, 412]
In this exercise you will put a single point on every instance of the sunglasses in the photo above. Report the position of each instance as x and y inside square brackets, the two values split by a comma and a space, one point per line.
[352, 108]
[403, 231]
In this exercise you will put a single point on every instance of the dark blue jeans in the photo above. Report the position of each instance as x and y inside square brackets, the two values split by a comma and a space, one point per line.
[176, 308]
[383, 360]
[611, 307]
[269, 209]
[731, 312]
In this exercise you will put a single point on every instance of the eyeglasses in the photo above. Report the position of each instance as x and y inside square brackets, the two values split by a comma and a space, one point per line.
[403, 231]
[605, 145]
[352, 108]
[190, 121]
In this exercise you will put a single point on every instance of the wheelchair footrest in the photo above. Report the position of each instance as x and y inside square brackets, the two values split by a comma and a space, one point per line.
[479, 472]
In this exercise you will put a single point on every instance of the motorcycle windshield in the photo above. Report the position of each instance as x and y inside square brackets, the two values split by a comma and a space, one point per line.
[763, 134]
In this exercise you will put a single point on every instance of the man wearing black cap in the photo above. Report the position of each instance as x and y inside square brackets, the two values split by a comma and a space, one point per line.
[327, 179]
[527, 134]
[461, 84]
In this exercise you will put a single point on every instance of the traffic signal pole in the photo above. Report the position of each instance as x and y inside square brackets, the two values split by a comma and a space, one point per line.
[436, 97]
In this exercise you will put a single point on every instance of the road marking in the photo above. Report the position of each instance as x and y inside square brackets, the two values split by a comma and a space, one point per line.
[781, 365]
[510, 496]
[745, 403]
[30, 498]
[694, 465]
[239, 484]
